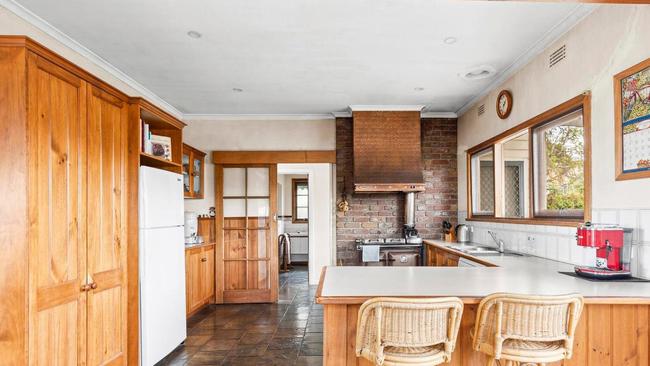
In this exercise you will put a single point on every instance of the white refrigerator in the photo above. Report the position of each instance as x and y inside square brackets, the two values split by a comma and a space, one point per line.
[162, 264]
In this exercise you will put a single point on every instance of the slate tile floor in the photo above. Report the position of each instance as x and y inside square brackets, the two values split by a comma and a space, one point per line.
[287, 333]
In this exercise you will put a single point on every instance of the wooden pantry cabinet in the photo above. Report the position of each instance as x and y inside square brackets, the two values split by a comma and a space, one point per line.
[63, 246]
[199, 277]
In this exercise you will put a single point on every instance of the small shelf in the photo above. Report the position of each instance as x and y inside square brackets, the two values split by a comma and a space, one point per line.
[158, 162]
[160, 123]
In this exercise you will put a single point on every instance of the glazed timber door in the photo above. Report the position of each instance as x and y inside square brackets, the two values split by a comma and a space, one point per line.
[57, 206]
[246, 251]
[106, 338]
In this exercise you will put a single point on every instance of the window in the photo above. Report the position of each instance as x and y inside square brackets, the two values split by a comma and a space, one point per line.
[482, 166]
[514, 175]
[559, 160]
[537, 172]
[300, 198]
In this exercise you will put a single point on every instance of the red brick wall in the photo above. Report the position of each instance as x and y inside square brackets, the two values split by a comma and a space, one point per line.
[382, 215]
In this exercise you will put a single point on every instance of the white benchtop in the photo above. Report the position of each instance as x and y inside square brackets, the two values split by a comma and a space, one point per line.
[517, 274]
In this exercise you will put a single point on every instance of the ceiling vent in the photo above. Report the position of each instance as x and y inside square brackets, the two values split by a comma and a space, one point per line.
[557, 56]
[481, 109]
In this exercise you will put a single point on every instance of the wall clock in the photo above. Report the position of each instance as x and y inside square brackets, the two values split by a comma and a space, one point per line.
[504, 104]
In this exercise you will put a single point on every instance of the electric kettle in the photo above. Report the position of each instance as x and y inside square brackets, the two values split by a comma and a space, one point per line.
[463, 233]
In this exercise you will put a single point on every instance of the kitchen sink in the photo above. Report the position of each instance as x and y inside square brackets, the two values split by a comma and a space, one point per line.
[478, 250]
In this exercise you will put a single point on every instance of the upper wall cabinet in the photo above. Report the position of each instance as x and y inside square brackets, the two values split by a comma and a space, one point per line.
[160, 135]
[193, 161]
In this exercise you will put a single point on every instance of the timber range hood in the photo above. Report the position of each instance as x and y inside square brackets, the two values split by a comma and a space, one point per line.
[387, 152]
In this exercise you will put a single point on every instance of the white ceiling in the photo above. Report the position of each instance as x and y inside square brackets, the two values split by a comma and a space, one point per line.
[309, 57]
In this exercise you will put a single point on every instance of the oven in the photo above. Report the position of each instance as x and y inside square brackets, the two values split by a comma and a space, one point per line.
[392, 252]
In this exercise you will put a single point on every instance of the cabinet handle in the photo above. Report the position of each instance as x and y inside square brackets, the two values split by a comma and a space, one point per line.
[204, 259]
[93, 285]
[85, 287]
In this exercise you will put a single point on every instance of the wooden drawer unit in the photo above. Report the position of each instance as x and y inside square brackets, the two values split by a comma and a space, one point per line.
[199, 277]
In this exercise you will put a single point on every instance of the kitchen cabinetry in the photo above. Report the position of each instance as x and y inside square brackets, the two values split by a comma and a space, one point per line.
[199, 268]
[193, 171]
[65, 221]
[441, 258]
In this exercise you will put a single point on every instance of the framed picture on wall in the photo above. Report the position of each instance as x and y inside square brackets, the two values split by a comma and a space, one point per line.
[632, 118]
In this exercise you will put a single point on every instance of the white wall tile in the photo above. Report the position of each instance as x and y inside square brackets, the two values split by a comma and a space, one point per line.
[644, 226]
[608, 217]
[643, 261]
[629, 219]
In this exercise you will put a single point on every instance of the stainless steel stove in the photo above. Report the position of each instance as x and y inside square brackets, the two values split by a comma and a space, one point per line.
[392, 252]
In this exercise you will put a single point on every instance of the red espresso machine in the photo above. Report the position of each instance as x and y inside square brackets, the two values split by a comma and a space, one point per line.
[613, 250]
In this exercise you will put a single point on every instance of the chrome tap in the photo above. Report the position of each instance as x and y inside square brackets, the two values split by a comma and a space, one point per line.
[499, 242]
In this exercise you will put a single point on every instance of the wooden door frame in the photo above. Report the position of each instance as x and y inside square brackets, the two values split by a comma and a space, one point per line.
[271, 158]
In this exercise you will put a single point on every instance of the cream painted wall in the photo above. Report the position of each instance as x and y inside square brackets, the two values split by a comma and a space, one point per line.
[11, 24]
[611, 39]
[233, 135]
[287, 194]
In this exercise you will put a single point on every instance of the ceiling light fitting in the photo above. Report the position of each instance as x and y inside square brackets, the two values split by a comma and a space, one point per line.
[237, 90]
[479, 72]
[450, 40]
[194, 34]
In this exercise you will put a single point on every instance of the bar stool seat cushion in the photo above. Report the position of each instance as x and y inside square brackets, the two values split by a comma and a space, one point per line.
[411, 355]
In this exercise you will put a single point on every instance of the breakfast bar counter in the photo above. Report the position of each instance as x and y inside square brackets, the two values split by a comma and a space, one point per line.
[613, 329]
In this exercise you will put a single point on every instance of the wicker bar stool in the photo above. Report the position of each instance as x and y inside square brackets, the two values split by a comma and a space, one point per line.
[399, 331]
[522, 329]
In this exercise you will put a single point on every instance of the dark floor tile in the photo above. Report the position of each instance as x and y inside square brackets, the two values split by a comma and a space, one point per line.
[313, 337]
[257, 334]
[207, 358]
[256, 338]
[309, 361]
[219, 344]
[311, 349]
[197, 340]
[249, 350]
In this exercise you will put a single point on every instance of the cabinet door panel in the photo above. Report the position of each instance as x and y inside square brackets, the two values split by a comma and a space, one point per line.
[207, 275]
[106, 227]
[57, 265]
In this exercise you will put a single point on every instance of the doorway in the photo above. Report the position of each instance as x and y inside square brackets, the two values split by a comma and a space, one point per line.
[293, 220]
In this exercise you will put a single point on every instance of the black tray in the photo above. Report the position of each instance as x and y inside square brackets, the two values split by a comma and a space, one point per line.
[629, 279]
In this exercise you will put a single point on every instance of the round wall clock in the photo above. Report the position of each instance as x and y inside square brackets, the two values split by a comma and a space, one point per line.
[504, 104]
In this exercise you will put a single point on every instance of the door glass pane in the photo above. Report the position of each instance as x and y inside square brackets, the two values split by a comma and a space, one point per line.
[482, 169]
[186, 173]
[258, 275]
[258, 182]
[234, 207]
[258, 212]
[257, 243]
[302, 189]
[197, 176]
[515, 176]
[234, 182]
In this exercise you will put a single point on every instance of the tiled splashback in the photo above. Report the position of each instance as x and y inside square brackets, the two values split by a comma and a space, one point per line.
[558, 243]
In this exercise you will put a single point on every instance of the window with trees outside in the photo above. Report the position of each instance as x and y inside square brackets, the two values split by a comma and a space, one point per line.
[537, 172]
[300, 200]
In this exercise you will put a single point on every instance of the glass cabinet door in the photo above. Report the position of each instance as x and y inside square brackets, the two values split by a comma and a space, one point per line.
[197, 173]
[186, 173]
